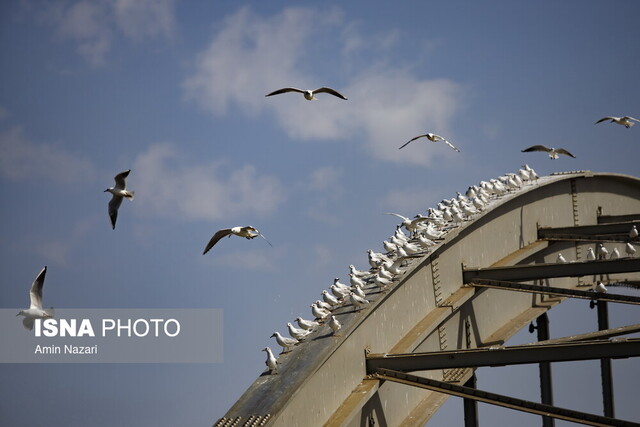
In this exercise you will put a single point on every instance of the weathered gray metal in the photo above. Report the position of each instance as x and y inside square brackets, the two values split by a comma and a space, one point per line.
[323, 381]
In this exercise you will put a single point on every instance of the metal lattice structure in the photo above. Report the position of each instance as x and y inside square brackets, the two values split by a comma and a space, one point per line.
[484, 281]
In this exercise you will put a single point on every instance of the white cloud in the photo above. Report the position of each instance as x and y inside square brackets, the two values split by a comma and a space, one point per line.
[93, 24]
[23, 160]
[172, 185]
[139, 19]
[251, 55]
[325, 178]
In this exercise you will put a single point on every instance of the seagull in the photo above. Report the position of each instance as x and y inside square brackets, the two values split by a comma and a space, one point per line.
[330, 299]
[356, 281]
[307, 324]
[341, 285]
[560, 259]
[553, 152]
[323, 305]
[334, 325]
[284, 342]
[633, 233]
[35, 310]
[624, 121]
[271, 362]
[602, 251]
[119, 191]
[615, 254]
[600, 288]
[412, 225]
[340, 293]
[247, 232]
[319, 313]
[358, 291]
[309, 94]
[630, 250]
[431, 137]
[357, 301]
[591, 256]
[296, 333]
[359, 273]
[532, 173]
[389, 247]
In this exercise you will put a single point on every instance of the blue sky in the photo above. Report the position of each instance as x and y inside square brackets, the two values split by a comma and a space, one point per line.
[175, 92]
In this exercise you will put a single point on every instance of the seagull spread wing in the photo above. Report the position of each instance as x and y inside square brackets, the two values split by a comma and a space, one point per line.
[265, 239]
[404, 218]
[565, 152]
[411, 140]
[114, 204]
[120, 179]
[449, 144]
[285, 90]
[35, 294]
[631, 118]
[217, 236]
[603, 119]
[331, 91]
[536, 148]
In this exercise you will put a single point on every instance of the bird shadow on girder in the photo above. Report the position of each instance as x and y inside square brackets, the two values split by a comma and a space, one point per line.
[372, 413]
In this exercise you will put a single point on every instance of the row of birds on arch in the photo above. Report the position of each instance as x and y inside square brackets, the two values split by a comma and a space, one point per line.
[413, 238]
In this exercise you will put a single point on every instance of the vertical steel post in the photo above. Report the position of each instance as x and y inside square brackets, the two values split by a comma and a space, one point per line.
[546, 390]
[605, 364]
[470, 405]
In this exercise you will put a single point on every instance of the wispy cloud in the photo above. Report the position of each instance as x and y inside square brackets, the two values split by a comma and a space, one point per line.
[252, 55]
[91, 25]
[23, 160]
[172, 185]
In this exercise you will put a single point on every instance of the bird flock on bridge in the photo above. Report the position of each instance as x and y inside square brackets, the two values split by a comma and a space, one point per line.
[414, 237]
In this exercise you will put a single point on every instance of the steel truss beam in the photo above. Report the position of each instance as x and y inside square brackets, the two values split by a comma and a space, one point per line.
[608, 219]
[523, 273]
[500, 400]
[503, 356]
[617, 231]
[550, 290]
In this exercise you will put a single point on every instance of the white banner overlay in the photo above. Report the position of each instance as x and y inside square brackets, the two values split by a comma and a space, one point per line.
[114, 336]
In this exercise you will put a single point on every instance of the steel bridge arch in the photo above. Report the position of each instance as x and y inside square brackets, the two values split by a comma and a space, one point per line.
[429, 308]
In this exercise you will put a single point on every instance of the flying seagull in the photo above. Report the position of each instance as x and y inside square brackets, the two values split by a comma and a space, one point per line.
[119, 192]
[431, 137]
[247, 232]
[553, 152]
[624, 121]
[35, 310]
[309, 94]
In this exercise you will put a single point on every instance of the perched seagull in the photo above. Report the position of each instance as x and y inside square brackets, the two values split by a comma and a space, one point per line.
[248, 232]
[35, 310]
[119, 192]
[330, 299]
[602, 251]
[600, 288]
[615, 254]
[560, 259]
[633, 233]
[341, 285]
[340, 293]
[284, 342]
[309, 94]
[553, 152]
[358, 302]
[356, 281]
[296, 333]
[334, 325]
[624, 121]
[532, 174]
[431, 137]
[381, 282]
[358, 291]
[630, 250]
[319, 313]
[358, 273]
[323, 305]
[307, 324]
[271, 362]
[591, 256]
[389, 247]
